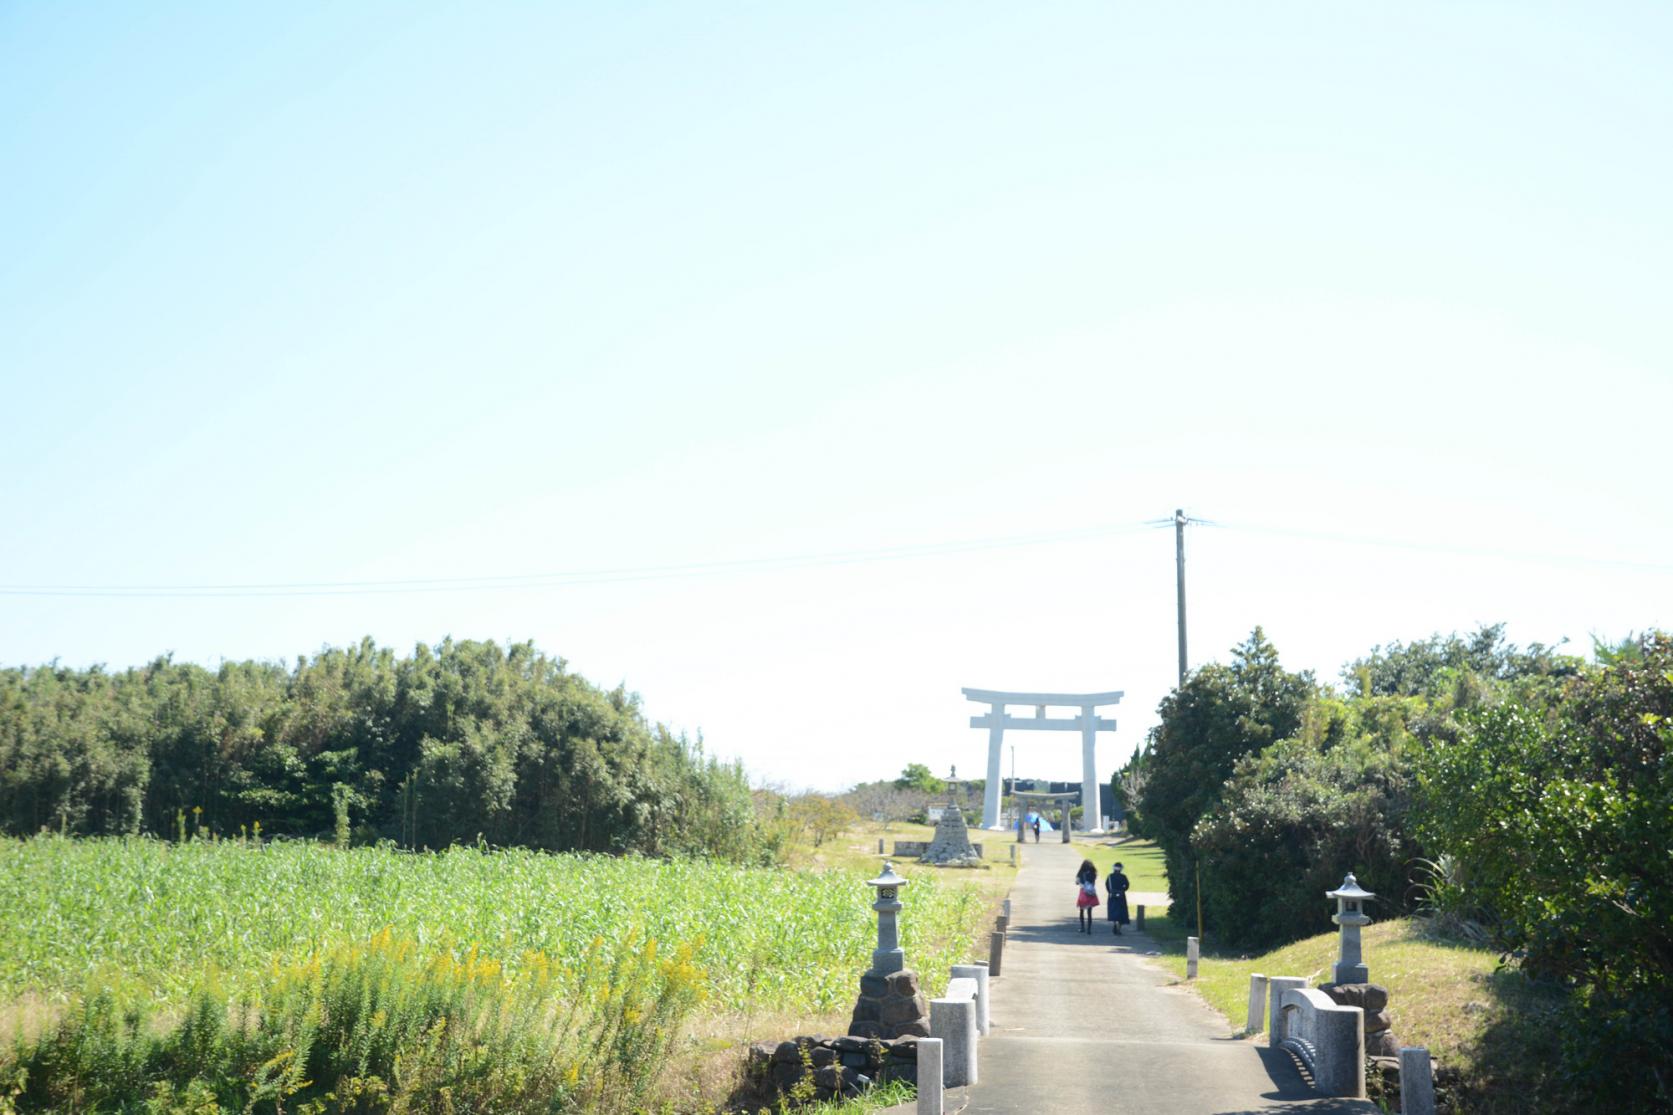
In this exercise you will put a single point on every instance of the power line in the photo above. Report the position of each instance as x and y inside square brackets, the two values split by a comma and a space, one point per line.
[1436, 547]
[561, 579]
[569, 578]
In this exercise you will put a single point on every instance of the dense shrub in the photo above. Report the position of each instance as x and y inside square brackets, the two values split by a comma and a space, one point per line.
[1298, 816]
[1316, 783]
[1560, 816]
[454, 743]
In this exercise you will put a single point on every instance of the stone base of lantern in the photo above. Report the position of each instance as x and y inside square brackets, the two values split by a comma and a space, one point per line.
[831, 1067]
[1347, 975]
[891, 1006]
[1372, 998]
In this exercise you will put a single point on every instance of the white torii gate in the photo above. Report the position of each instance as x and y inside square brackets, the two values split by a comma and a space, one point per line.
[1088, 724]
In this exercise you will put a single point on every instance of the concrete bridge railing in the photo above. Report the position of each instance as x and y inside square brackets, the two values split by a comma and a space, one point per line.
[1328, 1038]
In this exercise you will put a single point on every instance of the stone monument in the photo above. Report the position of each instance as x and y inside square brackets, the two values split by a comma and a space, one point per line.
[891, 1003]
[951, 844]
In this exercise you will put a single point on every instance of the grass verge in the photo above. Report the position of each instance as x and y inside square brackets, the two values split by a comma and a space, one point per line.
[1141, 861]
[1497, 1030]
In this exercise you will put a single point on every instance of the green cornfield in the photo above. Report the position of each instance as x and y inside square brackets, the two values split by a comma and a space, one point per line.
[145, 914]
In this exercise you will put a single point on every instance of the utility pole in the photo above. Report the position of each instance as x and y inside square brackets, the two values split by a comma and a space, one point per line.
[1179, 521]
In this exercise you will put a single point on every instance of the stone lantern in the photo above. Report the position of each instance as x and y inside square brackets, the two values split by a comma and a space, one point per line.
[888, 956]
[891, 1003]
[1350, 966]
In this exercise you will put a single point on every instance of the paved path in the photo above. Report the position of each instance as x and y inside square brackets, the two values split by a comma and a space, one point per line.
[1085, 1026]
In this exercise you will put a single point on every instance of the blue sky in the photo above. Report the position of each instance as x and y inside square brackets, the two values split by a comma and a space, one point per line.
[382, 292]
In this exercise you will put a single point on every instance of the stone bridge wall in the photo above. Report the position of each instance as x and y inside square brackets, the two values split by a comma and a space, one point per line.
[1329, 1039]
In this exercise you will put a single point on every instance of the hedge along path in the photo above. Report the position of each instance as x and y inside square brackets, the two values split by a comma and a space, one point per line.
[140, 911]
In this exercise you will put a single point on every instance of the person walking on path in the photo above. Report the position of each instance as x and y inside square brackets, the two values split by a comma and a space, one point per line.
[1086, 893]
[1115, 885]
[1036, 818]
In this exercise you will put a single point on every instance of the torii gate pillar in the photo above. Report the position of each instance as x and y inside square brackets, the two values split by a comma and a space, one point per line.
[1091, 815]
[1088, 723]
[990, 795]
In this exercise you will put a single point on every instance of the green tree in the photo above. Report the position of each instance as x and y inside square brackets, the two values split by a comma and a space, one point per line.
[1219, 715]
[916, 776]
[1432, 667]
[456, 741]
[1559, 813]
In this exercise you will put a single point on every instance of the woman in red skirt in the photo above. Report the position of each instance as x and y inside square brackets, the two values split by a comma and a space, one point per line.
[1086, 893]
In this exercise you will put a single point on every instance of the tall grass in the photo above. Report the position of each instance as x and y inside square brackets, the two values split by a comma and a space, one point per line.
[158, 914]
[376, 1027]
[302, 978]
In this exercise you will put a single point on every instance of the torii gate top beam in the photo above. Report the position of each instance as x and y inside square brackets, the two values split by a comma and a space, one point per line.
[1075, 700]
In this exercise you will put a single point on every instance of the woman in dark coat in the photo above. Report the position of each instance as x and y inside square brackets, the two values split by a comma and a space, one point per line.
[1116, 887]
[1086, 893]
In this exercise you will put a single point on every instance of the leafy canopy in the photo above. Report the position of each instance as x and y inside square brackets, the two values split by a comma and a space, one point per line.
[1220, 714]
[916, 776]
[1559, 813]
[453, 743]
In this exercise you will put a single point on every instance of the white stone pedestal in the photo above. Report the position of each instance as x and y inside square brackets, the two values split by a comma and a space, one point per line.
[1257, 1004]
[979, 973]
[954, 1022]
[931, 1091]
[1417, 1081]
